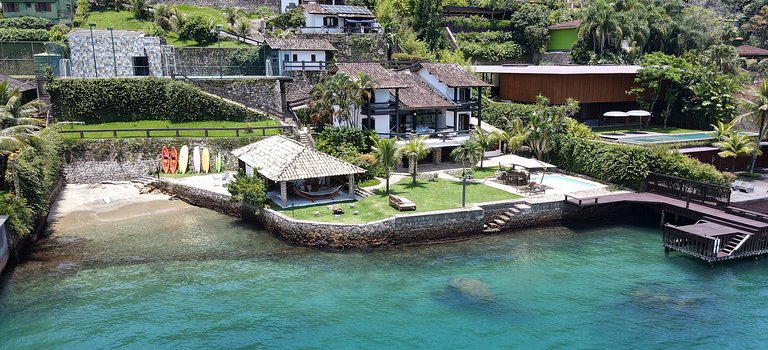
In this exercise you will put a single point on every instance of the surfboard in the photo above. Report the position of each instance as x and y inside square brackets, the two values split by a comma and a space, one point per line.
[174, 160]
[218, 162]
[165, 160]
[183, 159]
[196, 158]
[206, 160]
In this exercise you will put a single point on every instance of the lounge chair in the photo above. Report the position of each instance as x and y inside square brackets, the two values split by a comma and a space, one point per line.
[747, 187]
[401, 203]
[736, 185]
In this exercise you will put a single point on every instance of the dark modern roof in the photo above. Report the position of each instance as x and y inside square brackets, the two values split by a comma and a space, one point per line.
[418, 95]
[14, 83]
[451, 74]
[566, 25]
[382, 78]
[751, 51]
[299, 44]
[339, 10]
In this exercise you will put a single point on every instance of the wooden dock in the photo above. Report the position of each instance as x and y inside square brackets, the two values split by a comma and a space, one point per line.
[720, 232]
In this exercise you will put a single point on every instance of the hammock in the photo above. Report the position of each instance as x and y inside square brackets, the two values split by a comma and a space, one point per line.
[323, 194]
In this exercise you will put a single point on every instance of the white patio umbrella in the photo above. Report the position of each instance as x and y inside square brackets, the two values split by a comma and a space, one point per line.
[639, 113]
[615, 114]
[528, 163]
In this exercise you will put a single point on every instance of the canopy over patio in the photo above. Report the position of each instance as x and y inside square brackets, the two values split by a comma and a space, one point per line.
[528, 163]
[284, 160]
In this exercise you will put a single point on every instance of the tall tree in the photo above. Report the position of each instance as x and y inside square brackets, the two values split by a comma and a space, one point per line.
[469, 152]
[427, 20]
[758, 25]
[756, 113]
[387, 155]
[736, 145]
[231, 15]
[241, 28]
[724, 57]
[415, 149]
[601, 25]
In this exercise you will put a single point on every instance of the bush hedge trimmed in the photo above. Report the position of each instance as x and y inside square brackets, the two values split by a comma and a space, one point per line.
[26, 22]
[501, 114]
[14, 34]
[129, 99]
[629, 165]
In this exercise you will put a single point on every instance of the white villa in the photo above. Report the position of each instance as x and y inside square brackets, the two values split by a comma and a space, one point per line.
[296, 54]
[323, 18]
[427, 99]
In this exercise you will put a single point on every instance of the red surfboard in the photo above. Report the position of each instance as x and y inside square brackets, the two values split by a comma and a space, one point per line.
[174, 160]
[166, 160]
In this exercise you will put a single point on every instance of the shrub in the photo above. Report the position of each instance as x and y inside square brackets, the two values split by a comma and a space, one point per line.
[127, 99]
[58, 32]
[199, 29]
[331, 138]
[25, 22]
[489, 46]
[13, 34]
[291, 19]
[249, 190]
[503, 114]
[629, 165]
[478, 23]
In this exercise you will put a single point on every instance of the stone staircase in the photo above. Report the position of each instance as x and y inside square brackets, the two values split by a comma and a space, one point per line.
[362, 192]
[305, 137]
[500, 222]
[143, 181]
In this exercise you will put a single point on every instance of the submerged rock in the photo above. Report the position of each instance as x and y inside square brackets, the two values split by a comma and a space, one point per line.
[472, 289]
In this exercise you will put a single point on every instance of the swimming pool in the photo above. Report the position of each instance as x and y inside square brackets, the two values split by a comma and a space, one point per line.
[560, 182]
[668, 138]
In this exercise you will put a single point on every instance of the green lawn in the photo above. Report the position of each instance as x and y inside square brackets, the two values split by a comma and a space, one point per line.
[126, 21]
[478, 173]
[652, 128]
[370, 182]
[428, 196]
[162, 124]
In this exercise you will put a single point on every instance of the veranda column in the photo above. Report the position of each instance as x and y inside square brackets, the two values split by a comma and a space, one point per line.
[283, 194]
[351, 178]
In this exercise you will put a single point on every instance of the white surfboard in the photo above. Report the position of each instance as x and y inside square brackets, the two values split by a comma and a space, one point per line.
[196, 158]
[107, 199]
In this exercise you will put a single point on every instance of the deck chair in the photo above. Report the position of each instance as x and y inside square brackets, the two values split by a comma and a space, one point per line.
[736, 185]
[747, 187]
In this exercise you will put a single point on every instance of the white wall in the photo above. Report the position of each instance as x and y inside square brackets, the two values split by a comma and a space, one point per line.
[305, 56]
[382, 95]
[382, 123]
[436, 84]
[315, 22]
[284, 4]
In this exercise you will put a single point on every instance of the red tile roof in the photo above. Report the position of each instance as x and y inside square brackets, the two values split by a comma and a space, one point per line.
[751, 51]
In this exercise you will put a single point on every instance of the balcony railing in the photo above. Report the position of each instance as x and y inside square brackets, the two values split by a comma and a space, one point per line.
[380, 108]
[343, 30]
[305, 65]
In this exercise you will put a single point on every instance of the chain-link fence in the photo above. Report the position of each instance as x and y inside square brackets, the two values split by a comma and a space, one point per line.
[17, 57]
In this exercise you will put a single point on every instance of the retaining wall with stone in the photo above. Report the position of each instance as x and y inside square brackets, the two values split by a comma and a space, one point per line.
[401, 229]
[252, 92]
[199, 197]
[301, 84]
[353, 47]
[249, 5]
[92, 161]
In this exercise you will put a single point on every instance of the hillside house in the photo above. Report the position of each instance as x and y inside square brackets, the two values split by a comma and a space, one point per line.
[323, 18]
[119, 53]
[297, 54]
[58, 11]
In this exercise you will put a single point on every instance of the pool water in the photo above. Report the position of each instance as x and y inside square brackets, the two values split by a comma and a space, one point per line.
[561, 182]
[610, 286]
[668, 138]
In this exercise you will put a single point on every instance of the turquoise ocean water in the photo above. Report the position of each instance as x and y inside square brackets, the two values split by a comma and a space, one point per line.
[556, 287]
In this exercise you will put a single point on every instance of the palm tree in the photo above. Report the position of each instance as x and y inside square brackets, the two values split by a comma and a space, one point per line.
[736, 145]
[241, 28]
[601, 23]
[163, 16]
[485, 140]
[721, 130]
[386, 153]
[340, 97]
[231, 15]
[724, 57]
[415, 150]
[468, 152]
[757, 114]
[17, 124]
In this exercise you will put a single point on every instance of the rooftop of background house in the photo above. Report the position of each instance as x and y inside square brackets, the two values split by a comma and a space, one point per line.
[564, 70]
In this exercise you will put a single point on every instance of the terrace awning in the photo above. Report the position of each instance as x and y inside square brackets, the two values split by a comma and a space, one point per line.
[528, 163]
[615, 114]
[638, 113]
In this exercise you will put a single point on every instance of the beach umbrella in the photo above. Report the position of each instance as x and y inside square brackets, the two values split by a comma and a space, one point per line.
[615, 114]
[639, 113]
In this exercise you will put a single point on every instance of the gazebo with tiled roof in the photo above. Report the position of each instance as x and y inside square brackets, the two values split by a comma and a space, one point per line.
[286, 161]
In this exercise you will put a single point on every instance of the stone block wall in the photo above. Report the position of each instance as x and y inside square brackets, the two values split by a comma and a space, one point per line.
[248, 5]
[206, 61]
[124, 50]
[252, 92]
[302, 84]
[538, 214]
[92, 161]
[354, 47]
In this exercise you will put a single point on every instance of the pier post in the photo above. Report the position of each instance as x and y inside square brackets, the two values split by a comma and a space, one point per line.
[661, 224]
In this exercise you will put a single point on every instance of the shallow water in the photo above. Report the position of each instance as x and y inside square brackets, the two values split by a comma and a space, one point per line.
[203, 280]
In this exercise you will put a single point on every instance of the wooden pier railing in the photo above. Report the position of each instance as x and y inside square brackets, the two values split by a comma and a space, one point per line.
[177, 132]
[687, 190]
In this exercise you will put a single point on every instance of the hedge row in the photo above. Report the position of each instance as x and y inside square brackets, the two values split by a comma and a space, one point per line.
[629, 165]
[479, 23]
[501, 114]
[13, 34]
[495, 46]
[130, 99]
[26, 22]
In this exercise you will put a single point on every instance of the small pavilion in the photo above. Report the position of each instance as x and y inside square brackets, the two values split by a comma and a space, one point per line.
[312, 176]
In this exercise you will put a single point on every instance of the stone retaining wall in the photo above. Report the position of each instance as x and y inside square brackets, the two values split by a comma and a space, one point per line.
[199, 197]
[354, 47]
[252, 92]
[92, 161]
[248, 5]
[401, 229]
[301, 84]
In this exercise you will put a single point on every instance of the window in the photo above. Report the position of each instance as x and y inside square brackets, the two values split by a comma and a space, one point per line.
[43, 7]
[29, 5]
[464, 94]
[286, 58]
[330, 21]
[141, 66]
[295, 58]
[313, 58]
[10, 7]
